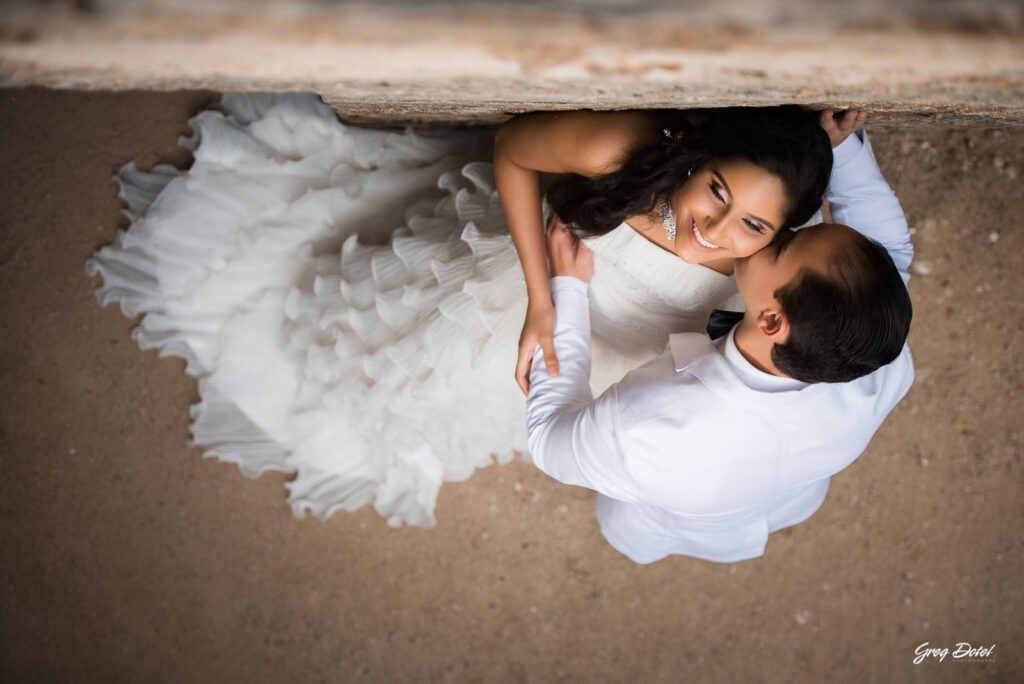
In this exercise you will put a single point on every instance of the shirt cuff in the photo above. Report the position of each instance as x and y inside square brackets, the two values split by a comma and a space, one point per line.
[848, 149]
[572, 304]
[562, 284]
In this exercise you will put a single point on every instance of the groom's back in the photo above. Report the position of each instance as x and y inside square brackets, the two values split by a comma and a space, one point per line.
[706, 449]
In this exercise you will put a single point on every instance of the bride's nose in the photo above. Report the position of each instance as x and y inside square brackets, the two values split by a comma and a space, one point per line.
[713, 226]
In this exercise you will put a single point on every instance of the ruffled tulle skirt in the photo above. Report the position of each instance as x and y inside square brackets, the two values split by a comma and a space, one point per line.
[348, 300]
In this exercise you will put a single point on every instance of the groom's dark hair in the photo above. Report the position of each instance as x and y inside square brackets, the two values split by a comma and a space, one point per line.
[847, 323]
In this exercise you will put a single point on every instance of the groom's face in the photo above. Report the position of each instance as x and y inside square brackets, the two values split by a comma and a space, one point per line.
[760, 275]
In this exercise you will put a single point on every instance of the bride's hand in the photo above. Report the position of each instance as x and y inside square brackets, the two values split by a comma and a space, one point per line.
[839, 127]
[538, 330]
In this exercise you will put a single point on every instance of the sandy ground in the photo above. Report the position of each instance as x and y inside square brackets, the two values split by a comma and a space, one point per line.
[127, 557]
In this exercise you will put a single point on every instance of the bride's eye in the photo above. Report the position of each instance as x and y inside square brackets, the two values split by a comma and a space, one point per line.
[716, 192]
[755, 226]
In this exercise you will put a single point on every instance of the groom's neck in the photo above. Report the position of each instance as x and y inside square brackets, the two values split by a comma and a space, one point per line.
[755, 346]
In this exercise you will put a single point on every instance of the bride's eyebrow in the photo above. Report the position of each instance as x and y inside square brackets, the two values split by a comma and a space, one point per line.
[725, 185]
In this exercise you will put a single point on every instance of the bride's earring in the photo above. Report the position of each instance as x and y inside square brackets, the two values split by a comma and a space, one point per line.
[668, 221]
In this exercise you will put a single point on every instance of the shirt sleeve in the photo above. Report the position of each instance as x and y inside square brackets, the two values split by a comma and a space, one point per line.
[571, 435]
[860, 198]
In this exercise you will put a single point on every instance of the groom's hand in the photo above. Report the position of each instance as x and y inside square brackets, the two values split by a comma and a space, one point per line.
[840, 125]
[568, 256]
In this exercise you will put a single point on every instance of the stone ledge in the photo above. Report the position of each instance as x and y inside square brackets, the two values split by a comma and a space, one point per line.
[448, 62]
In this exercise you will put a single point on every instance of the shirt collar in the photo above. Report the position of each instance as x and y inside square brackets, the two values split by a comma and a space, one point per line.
[752, 376]
[695, 354]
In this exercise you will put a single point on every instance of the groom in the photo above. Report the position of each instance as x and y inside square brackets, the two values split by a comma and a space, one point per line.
[710, 447]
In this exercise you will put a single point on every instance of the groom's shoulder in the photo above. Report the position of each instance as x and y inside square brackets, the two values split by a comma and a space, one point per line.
[664, 391]
[887, 384]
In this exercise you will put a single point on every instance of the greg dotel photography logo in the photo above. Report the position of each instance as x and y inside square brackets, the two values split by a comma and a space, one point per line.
[963, 652]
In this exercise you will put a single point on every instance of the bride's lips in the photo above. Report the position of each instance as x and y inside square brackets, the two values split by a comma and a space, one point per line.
[695, 243]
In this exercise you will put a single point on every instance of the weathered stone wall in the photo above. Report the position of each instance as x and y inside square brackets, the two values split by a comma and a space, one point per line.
[457, 61]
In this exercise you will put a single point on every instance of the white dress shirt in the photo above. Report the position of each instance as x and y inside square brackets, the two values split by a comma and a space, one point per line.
[697, 452]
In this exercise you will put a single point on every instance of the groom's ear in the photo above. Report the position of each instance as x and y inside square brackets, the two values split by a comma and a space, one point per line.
[774, 324]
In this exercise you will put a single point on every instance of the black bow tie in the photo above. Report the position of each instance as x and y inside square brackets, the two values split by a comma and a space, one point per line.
[721, 322]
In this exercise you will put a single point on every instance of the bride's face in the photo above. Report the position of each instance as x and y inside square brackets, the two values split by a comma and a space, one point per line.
[727, 210]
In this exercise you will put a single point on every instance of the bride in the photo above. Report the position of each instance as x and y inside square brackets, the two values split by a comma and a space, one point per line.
[734, 182]
[348, 298]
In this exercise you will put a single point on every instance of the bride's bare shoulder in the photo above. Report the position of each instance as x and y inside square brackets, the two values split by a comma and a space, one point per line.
[605, 139]
[586, 142]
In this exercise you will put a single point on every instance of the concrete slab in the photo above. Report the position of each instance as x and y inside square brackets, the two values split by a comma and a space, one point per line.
[403, 62]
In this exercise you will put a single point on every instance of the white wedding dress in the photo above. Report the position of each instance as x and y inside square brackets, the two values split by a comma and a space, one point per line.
[350, 301]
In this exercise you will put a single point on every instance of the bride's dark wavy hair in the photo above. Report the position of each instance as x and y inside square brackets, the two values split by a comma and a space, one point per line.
[785, 141]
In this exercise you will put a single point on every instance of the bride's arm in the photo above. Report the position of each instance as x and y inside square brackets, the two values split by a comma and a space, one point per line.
[586, 143]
